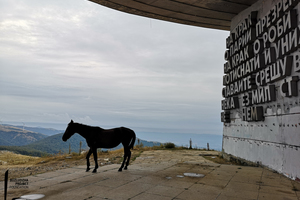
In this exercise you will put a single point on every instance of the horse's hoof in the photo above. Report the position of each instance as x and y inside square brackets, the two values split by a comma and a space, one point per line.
[94, 171]
[125, 168]
[120, 170]
[87, 170]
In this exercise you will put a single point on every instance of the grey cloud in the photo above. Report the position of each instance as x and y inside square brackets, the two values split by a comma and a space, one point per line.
[76, 59]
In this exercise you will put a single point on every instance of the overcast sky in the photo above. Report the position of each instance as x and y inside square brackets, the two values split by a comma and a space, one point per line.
[74, 59]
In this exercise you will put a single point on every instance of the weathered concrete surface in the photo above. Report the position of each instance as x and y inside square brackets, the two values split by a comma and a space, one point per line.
[158, 175]
[215, 14]
[273, 141]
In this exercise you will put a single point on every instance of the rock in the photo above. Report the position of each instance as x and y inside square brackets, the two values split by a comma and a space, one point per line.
[3, 162]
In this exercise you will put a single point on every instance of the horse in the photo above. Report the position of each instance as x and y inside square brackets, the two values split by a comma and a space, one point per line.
[97, 137]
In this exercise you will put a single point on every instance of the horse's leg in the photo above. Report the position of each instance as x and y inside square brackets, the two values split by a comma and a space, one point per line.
[95, 159]
[125, 156]
[88, 160]
[128, 159]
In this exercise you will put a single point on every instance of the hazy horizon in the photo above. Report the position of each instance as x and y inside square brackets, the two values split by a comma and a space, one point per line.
[178, 137]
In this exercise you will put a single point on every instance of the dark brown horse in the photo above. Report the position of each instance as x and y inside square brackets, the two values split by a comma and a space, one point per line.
[97, 137]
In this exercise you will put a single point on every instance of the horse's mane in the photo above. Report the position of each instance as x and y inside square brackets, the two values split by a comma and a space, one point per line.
[85, 126]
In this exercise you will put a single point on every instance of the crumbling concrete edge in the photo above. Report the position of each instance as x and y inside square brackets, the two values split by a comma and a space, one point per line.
[241, 161]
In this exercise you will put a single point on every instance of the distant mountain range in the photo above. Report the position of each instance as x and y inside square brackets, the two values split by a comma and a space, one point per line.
[25, 141]
[15, 136]
[45, 131]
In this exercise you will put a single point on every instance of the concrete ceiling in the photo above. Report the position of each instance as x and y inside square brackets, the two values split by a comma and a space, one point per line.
[216, 14]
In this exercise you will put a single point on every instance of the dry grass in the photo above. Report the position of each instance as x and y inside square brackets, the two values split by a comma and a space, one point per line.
[10, 158]
[21, 165]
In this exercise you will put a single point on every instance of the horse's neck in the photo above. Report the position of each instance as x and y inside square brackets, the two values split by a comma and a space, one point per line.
[84, 130]
[81, 130]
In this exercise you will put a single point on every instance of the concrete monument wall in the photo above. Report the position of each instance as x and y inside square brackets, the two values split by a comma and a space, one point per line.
[261, 106]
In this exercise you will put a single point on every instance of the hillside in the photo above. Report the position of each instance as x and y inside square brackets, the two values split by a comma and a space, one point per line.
[23, 150]
[45, 131]
[27, 142]
[5, 143]
[14, 136]
[54, 144]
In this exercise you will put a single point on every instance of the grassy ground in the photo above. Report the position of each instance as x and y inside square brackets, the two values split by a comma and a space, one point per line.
[21, 166]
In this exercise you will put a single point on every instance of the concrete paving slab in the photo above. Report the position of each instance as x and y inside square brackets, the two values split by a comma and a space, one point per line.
[127, 191]
[141, 173]
[112, 183]
[177, 184]
[275, 196]
[89, 179]
[213, 182]
[199, 191]
[224, 197]
[277, 190]
[146, 196]
[224, 170]
[218, 176]
[32, 179]
[90, 191]
[240, 193]
[50, 174]
[96, 198]
[154, 180]
[246, 179]
[165, 191]
[126, 176]
[242, 186]
[58, 188]
[248, 173]
[67, 196]
[45, 182]
[78, 170]
[200, 170]
[277, 182]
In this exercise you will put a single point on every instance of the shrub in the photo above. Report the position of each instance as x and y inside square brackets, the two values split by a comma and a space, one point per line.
[139, 146]
[169, 145]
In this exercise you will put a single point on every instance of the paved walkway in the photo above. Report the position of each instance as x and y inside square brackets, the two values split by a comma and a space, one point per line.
[160, 175]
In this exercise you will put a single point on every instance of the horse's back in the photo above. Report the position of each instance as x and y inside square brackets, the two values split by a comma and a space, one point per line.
[127, 130]
[120, 130]
[110, 138]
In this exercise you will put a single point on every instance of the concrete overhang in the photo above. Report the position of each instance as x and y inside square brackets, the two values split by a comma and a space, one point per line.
[216, 14]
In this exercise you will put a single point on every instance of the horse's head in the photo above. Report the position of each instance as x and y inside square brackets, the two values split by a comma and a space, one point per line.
[69, 131]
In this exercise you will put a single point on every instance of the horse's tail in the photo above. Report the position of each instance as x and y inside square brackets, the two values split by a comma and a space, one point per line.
[132, 142]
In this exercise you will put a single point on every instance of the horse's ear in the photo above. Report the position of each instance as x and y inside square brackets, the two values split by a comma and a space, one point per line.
[71, 121]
